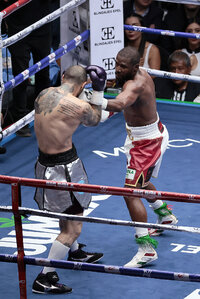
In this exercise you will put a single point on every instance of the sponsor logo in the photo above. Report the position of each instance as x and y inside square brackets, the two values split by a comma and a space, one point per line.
[175, 143]
[9, 222]
[194, 295]
[108, 33]
[147, 273]
[116, 152]
[130, 174]
[109, 63]
[107, 4]
[107, 7]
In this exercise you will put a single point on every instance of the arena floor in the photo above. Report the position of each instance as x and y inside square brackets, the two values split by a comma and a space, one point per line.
[101, 150]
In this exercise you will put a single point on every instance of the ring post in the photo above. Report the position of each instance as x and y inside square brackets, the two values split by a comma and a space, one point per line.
[16, 199]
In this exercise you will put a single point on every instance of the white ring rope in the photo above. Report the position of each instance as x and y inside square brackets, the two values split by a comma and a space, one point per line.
[18, 125]
[26, 74]
[54, 15]
[30, 117]
[169, 75]
[196, 2]
[25, 211]
[57, 13]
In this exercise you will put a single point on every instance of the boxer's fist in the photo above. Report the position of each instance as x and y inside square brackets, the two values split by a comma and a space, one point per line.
[98, 77]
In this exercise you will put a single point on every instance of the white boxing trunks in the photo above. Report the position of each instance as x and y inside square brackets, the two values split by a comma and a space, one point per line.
[62, 167]
[144, 149]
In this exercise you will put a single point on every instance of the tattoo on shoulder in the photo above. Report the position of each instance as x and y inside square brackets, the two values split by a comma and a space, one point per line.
[69, 109]
[42, 93]
[47, 101]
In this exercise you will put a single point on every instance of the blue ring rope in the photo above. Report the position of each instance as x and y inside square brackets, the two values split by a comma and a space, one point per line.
[109, 269]
[162, 32]
[47, 60]
[73, 44]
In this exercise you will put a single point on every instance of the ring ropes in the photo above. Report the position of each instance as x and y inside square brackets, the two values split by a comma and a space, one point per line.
[17, 217]
[164, 74]
[68, 47]
[196, 2]
[18, 223]
[22, 260]
[24, 211]
[41, 64]
[13, 7]
[34, 69]
[54, 56]
[16, 37]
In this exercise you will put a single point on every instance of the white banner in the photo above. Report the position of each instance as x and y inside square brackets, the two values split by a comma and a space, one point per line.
[106, 33]
[72, 24]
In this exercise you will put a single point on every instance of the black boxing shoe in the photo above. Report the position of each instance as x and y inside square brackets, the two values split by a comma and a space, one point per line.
[82, 256]
[48, 284]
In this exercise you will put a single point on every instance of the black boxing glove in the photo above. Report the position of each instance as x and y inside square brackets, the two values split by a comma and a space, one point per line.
[98, 77]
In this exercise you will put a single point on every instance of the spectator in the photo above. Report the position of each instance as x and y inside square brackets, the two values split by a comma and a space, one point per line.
[191, 46]
[8, 95]
[55, 26]
[180, 17]
[151, 13]
[177, 90]
[149, 53]
[38, 43]
[7, 105]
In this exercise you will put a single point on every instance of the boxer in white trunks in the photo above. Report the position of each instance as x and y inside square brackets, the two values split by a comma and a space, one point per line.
[145, 144]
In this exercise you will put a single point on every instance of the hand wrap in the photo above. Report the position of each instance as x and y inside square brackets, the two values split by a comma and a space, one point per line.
[98, 77]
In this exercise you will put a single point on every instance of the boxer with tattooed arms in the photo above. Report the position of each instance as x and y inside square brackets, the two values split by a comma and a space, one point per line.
[146, 141]
[58, 113]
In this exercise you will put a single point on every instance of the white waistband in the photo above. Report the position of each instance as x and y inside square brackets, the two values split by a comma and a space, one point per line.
[144, 132]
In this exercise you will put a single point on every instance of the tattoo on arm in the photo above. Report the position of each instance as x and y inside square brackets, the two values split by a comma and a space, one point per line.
[92, 115]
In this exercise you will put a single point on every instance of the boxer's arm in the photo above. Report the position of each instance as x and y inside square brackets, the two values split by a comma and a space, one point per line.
[91, 115]
[126, 98]
[86, 95]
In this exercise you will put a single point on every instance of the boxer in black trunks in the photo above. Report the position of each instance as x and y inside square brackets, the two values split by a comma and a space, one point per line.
[58, 113]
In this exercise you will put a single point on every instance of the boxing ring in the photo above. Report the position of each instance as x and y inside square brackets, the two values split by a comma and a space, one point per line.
[101, 149]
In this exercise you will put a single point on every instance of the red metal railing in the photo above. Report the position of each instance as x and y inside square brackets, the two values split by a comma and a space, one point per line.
[149, 194]
[13, 7]
[17, 182]
[16, 199]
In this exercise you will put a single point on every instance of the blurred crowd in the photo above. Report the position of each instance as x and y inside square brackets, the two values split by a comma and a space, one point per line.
[166, 52]
[157, 51]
